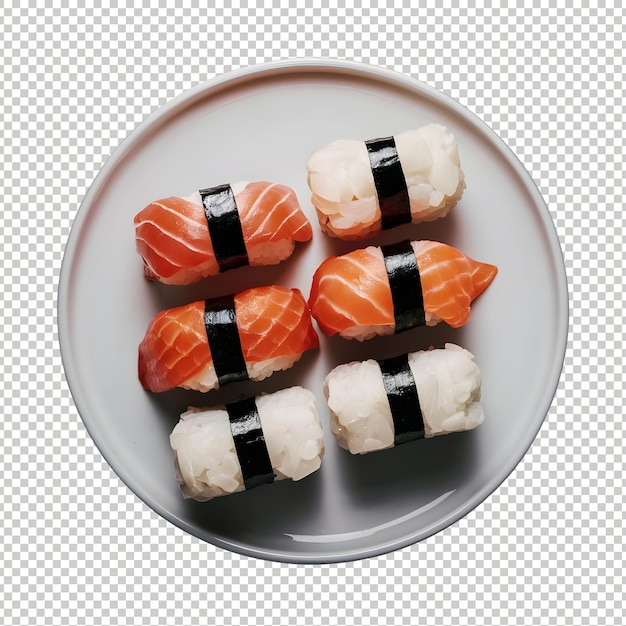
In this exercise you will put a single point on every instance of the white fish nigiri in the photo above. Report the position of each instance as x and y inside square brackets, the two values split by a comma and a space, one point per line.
[209, 462]
[448, 384]
[345, 194]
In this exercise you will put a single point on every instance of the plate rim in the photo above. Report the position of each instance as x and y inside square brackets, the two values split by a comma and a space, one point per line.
[313, 65]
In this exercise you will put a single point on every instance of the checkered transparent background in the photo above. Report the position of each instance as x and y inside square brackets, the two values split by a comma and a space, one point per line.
[79, 548]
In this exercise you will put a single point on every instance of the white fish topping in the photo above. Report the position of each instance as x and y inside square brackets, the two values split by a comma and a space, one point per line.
[448, 384]
[207, 465]
[343, 189]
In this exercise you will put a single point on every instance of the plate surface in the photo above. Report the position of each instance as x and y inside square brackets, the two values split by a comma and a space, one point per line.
[261, 124]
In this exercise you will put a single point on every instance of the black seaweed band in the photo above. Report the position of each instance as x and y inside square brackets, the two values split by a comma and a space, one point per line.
[393, 195]
[254, 459]
[220, 322]
[405, 284]
[222, 218]
[401, 390]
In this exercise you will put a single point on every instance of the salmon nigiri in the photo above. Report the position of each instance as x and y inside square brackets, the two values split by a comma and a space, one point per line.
[208, 343]
[182, 240]
[379, 291]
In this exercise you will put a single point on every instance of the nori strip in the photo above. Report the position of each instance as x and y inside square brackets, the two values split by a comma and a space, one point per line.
[401, 390]
[220, 322]
[222, 218]
[406, 285]
[254, 459]
[393, 195]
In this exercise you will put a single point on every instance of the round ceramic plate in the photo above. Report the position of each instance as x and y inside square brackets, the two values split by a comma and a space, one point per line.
[262, 124]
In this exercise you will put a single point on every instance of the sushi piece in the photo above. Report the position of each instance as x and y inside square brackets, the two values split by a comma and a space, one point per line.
[380, 404]
[209, 343]
[182, 240]
[361, 187]
[242, 445]
[389, 289]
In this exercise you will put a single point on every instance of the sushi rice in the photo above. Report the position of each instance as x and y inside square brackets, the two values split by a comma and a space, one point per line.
[344, 193]
[206, 379]
[448, 384]
[207, 465]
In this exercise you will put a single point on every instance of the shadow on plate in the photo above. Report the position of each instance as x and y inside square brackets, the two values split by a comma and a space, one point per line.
[267, 509]
[411, 471]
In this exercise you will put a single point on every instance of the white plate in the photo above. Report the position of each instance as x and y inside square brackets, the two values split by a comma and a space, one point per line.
[261, 124]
